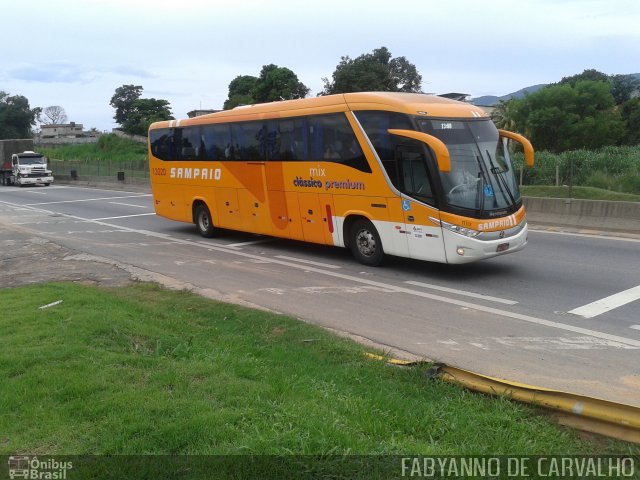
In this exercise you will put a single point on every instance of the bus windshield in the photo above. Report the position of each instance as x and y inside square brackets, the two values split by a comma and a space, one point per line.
[482, 176]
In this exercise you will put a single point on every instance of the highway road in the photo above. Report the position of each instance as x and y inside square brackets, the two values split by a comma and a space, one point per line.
[564, 313]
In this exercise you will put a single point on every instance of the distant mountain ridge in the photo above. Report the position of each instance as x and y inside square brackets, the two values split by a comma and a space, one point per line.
[491, 100]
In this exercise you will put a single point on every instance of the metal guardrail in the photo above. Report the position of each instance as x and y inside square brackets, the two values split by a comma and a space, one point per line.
[615, 420]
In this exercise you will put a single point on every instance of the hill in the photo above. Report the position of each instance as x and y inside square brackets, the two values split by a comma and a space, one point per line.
[490, 100]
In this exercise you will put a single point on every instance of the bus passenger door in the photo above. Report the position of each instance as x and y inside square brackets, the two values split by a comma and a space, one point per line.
[424, 237]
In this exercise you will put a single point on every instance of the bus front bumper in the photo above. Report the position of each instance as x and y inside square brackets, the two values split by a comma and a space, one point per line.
[461, 249]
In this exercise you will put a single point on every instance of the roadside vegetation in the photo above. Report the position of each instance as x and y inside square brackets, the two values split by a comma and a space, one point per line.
[141, 370]
[615, 170]
[109, 147]
[583, 193]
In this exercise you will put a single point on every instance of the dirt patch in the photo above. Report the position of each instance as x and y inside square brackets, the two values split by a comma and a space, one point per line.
[28, 259]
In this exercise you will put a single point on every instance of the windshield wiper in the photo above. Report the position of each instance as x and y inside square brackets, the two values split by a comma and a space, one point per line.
[498, 172]
[480, 192]
[482, 180]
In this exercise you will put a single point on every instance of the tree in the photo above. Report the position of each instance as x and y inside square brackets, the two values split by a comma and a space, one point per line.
[588, 75]
[566, 117]
[144, 112]
[123, 100]
[503, 115]
[274, 83]
[241, 91]
[630, 112]
[53, 115]
[135, 114]
[624, 87]
[376, 71]
[16, 116]
[278, 83]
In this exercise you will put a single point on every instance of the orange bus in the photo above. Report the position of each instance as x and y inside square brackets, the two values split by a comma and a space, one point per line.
[403, 174]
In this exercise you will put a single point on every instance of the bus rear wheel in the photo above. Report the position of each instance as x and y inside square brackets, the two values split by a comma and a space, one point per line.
[203, 221]
[365, 243]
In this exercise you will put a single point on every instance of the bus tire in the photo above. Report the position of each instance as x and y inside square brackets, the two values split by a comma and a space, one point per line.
[365, 243]
[204, 222]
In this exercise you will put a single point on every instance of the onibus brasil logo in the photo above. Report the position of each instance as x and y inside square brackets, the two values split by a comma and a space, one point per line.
[24, 466]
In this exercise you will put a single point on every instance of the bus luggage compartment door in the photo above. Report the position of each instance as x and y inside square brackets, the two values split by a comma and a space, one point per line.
[311, 216]
[227, 209]
[255, 213]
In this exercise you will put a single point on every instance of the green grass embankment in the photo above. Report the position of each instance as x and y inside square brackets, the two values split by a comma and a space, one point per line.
[587, 193]
[108, 148]
[141, 370]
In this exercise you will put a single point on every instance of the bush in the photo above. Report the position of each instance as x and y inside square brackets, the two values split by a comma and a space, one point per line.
[612, 168]
[109, 147]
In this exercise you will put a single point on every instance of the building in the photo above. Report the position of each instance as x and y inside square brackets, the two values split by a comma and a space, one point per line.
[62, 130]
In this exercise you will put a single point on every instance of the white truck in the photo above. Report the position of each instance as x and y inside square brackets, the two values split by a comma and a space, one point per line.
[21, 165]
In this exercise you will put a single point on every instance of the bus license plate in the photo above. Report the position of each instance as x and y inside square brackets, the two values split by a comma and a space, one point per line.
[502, 247]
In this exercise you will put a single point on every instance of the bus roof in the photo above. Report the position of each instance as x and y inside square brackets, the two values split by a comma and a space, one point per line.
[410, 103]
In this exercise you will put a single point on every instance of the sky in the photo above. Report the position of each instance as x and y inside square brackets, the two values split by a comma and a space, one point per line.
[75, 53]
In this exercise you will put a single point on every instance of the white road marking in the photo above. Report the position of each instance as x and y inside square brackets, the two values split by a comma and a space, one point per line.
[85, 200]
[37, 193]
[587, 235]
[608, 303]
[121, 216]
[129, 205]
[462, 292]
[253, 242]
[560, 343]
[310, 262]
[482, 308]
[635, 327]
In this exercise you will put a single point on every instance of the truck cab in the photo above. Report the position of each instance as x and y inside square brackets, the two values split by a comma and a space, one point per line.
[30, 168]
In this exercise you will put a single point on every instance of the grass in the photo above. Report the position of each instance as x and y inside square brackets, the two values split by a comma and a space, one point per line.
[109, 147]
[589, 193]
[611, 168]
[143, 370]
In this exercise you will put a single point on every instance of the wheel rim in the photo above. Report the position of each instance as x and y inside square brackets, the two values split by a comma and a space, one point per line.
[366, 243]
[204, 221]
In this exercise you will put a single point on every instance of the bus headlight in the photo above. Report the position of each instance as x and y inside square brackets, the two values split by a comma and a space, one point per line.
[467, 232]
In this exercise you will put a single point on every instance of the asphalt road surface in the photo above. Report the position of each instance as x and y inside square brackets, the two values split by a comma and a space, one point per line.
[563, 314]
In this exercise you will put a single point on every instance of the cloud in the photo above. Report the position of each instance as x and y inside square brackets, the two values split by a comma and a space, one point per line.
[65, 72]
[53, 72]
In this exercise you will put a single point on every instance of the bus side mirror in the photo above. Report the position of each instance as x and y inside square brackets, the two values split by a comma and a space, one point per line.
[526, 145]
[442, 152]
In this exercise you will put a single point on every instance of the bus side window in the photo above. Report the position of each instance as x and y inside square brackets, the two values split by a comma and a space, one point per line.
[376, 125]
[333, 140]
[415, 175]
[216, 140]
[249, 141]
[189, 146]
[288, 139]
[161, 141]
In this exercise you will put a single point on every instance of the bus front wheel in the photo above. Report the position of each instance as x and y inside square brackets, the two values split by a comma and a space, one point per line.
[365, 243]
[204, 223]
